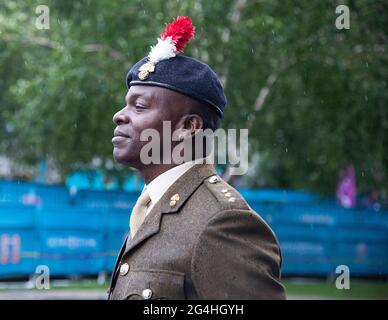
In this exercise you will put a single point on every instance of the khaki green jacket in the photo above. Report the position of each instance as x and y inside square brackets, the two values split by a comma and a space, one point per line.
[200, 241]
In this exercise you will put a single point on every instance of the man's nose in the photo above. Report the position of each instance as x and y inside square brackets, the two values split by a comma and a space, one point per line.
[120, 117]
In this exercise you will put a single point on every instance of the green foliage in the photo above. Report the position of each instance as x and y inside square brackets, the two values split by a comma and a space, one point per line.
[325, 96]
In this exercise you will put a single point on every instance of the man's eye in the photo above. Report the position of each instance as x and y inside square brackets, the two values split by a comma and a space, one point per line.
[139, 107]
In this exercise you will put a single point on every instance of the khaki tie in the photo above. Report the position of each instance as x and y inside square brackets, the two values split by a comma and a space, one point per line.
[139, 212]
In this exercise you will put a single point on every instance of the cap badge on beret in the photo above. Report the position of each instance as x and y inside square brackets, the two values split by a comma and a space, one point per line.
[145, 70]
[170, 43]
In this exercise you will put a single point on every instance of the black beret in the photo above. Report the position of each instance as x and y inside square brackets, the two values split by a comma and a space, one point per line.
[185, 75]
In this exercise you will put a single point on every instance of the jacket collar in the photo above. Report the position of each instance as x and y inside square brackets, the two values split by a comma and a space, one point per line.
[157, 187]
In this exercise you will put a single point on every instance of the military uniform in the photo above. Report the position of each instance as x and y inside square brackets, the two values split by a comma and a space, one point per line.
[200, 241]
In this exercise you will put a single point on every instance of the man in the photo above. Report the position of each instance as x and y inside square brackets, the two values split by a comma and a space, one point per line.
[192, 236]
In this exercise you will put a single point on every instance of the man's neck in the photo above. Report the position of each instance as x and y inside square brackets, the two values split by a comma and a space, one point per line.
[152, 171]
[149, 173]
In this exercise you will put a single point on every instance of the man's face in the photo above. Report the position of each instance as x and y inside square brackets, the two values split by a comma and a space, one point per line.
[146, 107]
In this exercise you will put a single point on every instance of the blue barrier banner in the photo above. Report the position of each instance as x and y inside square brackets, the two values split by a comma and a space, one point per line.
[71, 252]
[80, 232]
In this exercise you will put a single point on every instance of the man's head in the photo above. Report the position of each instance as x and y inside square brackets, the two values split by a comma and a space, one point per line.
[147, 107]
[165, 86]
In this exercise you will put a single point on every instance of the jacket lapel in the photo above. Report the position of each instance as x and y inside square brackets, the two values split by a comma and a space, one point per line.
[184, 186]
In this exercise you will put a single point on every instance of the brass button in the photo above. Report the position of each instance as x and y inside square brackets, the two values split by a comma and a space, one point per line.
[213, 179]
[124, 269]
[147, 294]
[224, 190]
[231, 199]
[228, 194]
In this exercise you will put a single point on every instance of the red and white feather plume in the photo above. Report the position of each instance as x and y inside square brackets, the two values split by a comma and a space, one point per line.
[172, 40]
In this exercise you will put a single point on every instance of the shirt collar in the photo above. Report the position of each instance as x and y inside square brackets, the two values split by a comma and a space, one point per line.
[157, 187]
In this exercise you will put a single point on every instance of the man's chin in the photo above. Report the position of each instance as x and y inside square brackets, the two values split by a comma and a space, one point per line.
[124, 158]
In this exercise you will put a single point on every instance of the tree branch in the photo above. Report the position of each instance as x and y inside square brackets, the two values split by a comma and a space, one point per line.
[235, 18]
[45, 42]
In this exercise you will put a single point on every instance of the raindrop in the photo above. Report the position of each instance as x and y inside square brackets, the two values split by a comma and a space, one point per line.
[366, 98]
[286, 150]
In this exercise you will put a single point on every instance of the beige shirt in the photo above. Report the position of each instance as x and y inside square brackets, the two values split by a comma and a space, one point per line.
[157, 187]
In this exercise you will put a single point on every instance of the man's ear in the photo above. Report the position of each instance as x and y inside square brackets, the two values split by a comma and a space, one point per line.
[189, 124]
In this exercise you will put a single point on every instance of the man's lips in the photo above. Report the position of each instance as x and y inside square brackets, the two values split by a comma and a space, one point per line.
[118, 133]
[119, 136]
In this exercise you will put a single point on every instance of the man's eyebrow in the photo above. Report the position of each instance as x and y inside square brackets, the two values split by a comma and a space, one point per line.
[136, 95]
